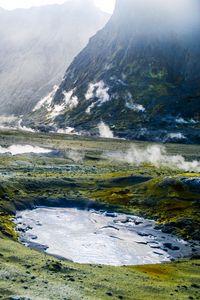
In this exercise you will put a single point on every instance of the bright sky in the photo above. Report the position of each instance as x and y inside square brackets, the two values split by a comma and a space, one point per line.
[105, 5]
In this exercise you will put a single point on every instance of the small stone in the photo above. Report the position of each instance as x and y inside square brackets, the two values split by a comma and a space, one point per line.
[33, 277]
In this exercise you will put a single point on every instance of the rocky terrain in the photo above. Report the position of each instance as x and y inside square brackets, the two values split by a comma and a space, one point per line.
[139, 74]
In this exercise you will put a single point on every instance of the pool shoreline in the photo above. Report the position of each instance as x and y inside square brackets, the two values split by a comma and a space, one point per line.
[115, 233]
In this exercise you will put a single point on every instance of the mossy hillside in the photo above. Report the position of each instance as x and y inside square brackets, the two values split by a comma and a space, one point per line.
[165, 199]
[33, 275]
[159, 193]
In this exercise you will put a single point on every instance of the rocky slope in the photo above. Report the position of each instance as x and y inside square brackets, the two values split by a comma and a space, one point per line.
[140, 74]
[37, 45]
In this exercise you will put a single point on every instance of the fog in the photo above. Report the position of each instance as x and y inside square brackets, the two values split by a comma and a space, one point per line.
[105, 5]
[13, 4]
[158, 15]
[37, 46]
[156, 155]
[105, 131]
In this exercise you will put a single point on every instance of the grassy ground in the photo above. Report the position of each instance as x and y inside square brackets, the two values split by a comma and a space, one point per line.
[27, 273]
[80, 172]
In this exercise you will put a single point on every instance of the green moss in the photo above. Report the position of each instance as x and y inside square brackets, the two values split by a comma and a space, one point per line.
[7, 226]
[167, 200]
[160, 90]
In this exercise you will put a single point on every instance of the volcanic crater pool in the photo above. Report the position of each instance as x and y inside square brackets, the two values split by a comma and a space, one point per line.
[98, 237]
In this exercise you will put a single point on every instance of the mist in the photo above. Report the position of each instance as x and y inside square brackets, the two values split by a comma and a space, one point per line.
[154, 16]
[155, 155]
[105, 131]
[37, 46]
[75, 156]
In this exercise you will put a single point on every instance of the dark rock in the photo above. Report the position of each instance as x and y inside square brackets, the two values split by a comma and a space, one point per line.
[195, 286]
[171, 247]
[71, 279]
[55, 266]
[138, 223]
[112, 215]
[33, 277]
[143, 234]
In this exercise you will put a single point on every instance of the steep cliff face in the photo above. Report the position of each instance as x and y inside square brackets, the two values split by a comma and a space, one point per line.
[37, 45]
[140, 74]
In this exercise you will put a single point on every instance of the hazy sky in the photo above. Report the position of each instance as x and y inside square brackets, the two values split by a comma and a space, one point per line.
[106, 5]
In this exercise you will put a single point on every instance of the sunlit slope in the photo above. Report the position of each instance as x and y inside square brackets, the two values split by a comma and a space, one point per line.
[139, 74]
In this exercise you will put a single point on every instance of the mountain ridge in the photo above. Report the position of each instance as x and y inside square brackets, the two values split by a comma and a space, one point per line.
[143, 84]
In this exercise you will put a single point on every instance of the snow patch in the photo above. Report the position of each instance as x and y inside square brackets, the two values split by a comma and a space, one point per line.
[47, 100]
[90, 92]
[68, 130]
[23, 149]
[130, 104]
[135, 107]
[97, 90]
[176, 136]
[70, 100]
[183, 121]
[56, 110]
[102, 92]
[88, 110]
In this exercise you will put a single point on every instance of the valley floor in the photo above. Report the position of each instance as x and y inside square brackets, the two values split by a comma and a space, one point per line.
[81, 170]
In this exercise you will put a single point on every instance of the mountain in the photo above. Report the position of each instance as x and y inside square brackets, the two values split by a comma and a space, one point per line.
[37, 45]
[140, 75]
